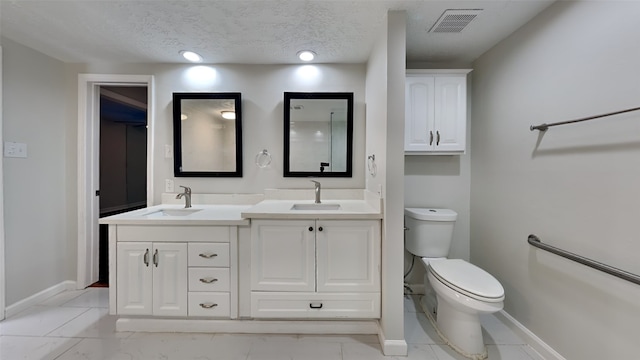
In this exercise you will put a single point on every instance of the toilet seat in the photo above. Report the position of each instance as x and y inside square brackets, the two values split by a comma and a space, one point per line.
[467, 279]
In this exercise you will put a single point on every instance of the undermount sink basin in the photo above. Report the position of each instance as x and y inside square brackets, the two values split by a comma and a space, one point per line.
[318, 207]
[173, 212]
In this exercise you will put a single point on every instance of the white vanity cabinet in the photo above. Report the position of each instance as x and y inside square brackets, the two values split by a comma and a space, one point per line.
[209, 279]
[315, 268]
[176, 270]
[435, 111]
[152, 279]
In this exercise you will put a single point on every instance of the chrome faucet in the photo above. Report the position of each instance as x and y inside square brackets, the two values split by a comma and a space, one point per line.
[317, 190]
[187, 196]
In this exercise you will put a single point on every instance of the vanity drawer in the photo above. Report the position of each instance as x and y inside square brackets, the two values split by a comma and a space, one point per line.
[174, 233]
[209, 304]
[315, 305]
[209, 279]
[208, 254]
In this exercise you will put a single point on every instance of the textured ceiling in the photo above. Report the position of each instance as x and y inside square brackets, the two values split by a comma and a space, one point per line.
[251, 32]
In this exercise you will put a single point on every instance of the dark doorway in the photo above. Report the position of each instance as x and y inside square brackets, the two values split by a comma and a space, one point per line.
[123, 159]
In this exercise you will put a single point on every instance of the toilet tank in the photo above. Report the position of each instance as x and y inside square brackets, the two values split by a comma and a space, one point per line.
[429, 231]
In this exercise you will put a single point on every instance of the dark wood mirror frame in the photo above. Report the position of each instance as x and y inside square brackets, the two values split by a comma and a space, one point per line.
[179, 156]
[346, 96]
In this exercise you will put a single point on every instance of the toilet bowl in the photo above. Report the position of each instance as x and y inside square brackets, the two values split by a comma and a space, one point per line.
[456, 291]
[463, 292]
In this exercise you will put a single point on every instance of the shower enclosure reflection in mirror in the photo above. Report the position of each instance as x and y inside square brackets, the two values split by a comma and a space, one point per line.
[318, 134]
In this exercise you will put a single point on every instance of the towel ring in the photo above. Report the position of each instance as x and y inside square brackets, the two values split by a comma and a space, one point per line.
[371, 165]
[263, 159]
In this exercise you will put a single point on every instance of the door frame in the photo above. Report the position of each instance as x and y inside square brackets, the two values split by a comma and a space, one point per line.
[89, 164]
[2, 253]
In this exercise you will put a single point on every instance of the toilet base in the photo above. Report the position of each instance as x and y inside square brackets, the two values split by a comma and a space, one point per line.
[460, 331]
[429, 301]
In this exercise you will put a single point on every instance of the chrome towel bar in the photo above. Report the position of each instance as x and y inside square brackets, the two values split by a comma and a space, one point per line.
[544, 127]
[535, 241]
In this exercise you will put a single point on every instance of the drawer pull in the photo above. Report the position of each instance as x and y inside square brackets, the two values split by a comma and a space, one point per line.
[315, 306]
[208, 281]
[208, 256]
[208, 306]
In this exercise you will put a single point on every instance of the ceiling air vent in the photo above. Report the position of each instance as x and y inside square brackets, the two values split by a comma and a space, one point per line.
[454, 21]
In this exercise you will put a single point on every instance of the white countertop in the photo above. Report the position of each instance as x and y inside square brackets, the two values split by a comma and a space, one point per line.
[206, 215]
[240, 212]
[282, 209]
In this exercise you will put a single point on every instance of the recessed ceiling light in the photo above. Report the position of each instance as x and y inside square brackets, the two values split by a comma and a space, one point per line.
[229, 115]
[306, 55]
[191, 56]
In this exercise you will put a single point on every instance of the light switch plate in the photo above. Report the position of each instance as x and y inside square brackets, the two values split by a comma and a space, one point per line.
[168, 186]
[15, 150]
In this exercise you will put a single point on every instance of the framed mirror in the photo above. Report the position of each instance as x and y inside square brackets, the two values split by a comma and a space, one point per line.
[318, 134]
[207, 135]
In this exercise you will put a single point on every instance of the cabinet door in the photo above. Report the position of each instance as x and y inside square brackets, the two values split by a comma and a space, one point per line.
[348, 256]
[170, 279]
[283, 255]
[134, 274]
[450, 113]
[419, 134]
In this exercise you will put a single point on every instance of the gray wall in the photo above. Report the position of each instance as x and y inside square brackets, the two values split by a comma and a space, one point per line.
[385, 131]
[441, 181]
[40, 109]
[576, 186]
[262, 88]
[38, 239]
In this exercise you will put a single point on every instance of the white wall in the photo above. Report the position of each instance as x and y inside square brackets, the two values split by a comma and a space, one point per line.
[2, 240]
[575, 186]
[262, 88]
[385, 133]
[38, 239]
[40, 97]
[442, 181]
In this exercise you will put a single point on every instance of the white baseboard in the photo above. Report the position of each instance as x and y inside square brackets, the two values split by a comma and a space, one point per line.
[247, 326]
[36, 299]
[534, 341]
[392, 347]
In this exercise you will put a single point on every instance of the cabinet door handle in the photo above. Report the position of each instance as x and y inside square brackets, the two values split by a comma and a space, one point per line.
[208, 256]
[208, 281]
[155, 258]
[320, 228]
[315, 306]
[310, 228]
[430, 137]
[438, 136]
[146, 258]
[208, 306]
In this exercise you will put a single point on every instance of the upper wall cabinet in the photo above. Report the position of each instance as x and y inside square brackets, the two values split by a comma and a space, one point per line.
[435, 112]
[207, 135]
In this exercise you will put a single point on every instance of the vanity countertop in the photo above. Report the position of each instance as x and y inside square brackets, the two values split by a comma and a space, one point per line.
[167, 214]
[283, 209]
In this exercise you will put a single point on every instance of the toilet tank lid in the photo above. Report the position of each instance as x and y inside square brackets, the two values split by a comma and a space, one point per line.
[431, 214]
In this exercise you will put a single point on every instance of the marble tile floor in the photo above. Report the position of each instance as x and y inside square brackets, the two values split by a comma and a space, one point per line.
[76, 325]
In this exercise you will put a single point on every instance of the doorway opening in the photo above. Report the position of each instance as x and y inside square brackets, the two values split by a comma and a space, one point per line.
[89, 124]
[123, 160]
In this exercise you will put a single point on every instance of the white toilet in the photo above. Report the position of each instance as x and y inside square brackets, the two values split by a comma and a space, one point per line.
[462, 290]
